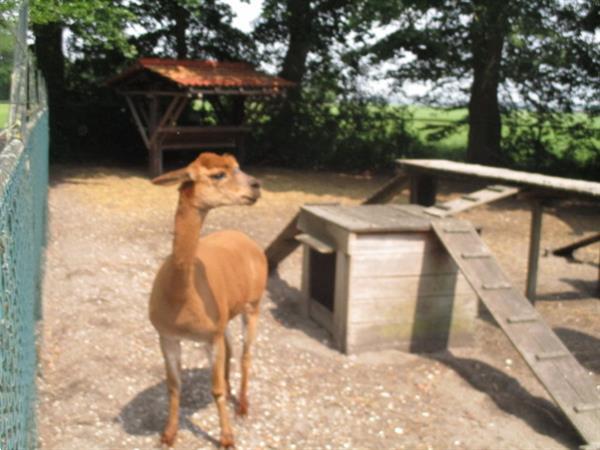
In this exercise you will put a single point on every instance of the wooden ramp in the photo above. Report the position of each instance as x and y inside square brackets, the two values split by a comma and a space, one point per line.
[549, 359]
[464, 202]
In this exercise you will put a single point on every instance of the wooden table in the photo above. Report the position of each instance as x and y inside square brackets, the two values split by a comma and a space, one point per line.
[539, 189]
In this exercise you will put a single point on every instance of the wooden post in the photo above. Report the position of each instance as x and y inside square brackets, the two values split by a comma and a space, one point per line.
[155, 166]
[534, 248]
[154, 153]
[423, 189]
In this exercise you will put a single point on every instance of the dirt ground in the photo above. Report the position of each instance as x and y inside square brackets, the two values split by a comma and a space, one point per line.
[102, 381]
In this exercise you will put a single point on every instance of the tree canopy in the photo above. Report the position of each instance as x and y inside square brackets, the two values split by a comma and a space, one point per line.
[502, 57]
[544, 51]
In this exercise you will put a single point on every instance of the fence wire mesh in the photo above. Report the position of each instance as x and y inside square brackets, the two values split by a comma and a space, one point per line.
[23, 199]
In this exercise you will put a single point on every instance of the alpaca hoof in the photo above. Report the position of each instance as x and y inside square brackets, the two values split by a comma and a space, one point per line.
[168, 438]
[226, 441]
[242, 409]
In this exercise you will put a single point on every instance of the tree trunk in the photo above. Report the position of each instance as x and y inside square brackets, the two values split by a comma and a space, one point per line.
[299, 26]
[51, 61]
[488, 31]
[182, 19]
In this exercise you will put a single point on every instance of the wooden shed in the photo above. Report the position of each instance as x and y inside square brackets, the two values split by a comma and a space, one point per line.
[157, 91]
[376, 277]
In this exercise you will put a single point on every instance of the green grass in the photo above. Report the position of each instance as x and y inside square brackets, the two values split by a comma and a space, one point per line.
[424, 122]
[3, 114]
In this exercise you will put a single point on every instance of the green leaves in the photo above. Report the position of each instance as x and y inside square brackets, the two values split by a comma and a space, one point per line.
[95, 23]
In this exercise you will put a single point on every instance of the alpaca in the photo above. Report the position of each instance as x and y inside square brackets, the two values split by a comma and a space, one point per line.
[207, 281]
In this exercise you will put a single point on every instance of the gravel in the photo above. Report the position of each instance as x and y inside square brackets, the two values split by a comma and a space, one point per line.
[101, 380]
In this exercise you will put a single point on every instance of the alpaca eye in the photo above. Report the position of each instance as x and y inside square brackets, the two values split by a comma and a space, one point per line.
[218, 176]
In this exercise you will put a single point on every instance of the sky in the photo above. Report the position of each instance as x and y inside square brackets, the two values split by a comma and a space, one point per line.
[248, 12]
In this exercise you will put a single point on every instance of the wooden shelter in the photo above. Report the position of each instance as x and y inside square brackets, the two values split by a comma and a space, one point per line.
[377, 277]
[158, 90]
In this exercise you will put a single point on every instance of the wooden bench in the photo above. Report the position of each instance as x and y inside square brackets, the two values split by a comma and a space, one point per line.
[196, 138]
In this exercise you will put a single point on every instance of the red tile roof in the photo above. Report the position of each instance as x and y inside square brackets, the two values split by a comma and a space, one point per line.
[206, 74]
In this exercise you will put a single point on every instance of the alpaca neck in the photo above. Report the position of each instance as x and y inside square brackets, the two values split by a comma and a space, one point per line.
[188, 223]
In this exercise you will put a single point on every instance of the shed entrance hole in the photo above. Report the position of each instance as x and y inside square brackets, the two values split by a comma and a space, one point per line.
[322, 278]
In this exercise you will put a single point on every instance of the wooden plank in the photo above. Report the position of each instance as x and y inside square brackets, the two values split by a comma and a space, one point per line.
[369, 218]
[284, 244]
[341, 301]
[473, 200]
[391, 243]
[433, 260]
[567, 250]
[402, 307]
[564, 378]
[544, 182]
[315, 243]
[441, 323]
[383, 218]
[368, 288]
[326, 231]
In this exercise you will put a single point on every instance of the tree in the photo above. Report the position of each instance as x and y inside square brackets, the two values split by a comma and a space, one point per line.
[99, 23]
[6, 58]
[544, 50]
[190, 29]
[314, 33]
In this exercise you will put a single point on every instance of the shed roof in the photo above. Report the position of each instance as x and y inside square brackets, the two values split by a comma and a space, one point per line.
[204, 74]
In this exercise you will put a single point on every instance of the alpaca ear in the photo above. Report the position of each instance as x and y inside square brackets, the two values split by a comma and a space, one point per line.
[174, 177]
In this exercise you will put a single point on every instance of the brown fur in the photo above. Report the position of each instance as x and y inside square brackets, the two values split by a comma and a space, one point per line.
[206, 282]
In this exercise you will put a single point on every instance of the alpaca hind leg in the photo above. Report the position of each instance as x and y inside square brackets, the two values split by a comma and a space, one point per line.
[219, 387]
[250, 321]
[228, 353]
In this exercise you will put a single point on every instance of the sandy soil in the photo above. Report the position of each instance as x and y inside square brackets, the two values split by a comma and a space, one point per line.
[102, 381]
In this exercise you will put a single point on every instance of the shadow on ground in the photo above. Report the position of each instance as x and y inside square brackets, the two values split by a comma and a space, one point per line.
[584, 347]
[287, 312]
[510, 396]
[146, 414]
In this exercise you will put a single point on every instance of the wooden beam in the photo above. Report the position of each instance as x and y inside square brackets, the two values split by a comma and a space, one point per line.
[143, 112]
[567, 250]
[164, 119]
[155, 93]
[138, 122]
[285, 243]
[182, 103]
[554, 185]
[388, 190]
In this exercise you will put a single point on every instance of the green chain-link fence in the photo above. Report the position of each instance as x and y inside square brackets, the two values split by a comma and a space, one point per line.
[23, 195]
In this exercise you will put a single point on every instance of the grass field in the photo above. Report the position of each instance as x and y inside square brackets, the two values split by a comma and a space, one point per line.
[425, 122]
[3, 114]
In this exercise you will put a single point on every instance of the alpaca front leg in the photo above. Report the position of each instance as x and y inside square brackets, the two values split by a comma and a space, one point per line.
[171, 350]
[219, 390]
